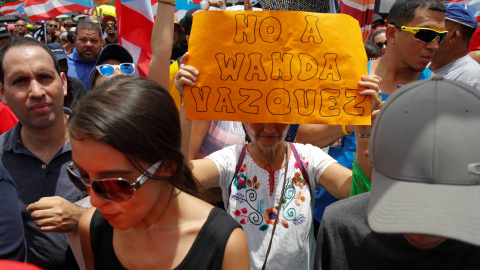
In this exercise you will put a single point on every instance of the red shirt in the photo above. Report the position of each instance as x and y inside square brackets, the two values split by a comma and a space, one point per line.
[7, 119]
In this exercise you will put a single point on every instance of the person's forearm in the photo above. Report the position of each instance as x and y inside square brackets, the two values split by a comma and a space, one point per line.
[320, 135]
[362, 134]
[161, 43]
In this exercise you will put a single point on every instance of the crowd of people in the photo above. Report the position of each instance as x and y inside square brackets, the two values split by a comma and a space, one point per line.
[100, 169]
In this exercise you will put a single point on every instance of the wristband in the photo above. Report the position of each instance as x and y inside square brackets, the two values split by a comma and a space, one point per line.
[168, 2]
[344, 129]
[362, 135]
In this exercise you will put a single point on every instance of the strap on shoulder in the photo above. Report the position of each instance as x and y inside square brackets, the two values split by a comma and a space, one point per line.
[237, 169]
[301, 166]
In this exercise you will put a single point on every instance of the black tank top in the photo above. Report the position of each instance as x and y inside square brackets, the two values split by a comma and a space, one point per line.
[206, 252]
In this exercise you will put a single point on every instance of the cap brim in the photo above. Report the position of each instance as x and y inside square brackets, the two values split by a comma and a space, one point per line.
[449, 211]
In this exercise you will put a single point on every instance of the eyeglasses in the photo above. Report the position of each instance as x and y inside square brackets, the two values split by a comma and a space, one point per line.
[64, 39]
[425, 34]
[53, 25]
[107, 70]
[67, 25]
[111, 189]
[380, 44]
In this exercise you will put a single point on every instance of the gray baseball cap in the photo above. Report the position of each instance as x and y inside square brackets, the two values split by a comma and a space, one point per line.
[425, 154]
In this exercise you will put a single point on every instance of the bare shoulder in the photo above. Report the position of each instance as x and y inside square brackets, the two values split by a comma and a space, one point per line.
[475, 54]
[85, 219]
[236, 254]
[193, 209]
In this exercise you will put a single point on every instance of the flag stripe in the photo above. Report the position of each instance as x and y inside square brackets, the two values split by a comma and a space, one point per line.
[42, 9]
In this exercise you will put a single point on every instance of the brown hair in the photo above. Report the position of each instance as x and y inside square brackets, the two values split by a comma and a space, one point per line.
[139, 118]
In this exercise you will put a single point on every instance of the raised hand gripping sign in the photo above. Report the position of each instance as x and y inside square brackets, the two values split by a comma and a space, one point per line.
[277, 67]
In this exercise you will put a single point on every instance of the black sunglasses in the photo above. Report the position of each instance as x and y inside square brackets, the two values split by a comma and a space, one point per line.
[53, 25]
[380, 44]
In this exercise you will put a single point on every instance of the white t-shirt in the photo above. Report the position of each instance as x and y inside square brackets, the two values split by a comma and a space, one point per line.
[252, 197]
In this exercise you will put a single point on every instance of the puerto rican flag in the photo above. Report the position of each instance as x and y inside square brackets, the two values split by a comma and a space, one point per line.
[362, 10]
[135, 25]
[38, 10]
[12, 8]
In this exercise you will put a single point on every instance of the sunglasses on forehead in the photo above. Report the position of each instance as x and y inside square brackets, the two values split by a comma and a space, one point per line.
[425, 34]
[108, 70]
[110, 189]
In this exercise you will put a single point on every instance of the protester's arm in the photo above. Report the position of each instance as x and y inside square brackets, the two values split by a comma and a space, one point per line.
[55, 214]
[162, 41]
[337, 179]
[212, 3]
[205, 170]
[84, 233]
[320, 135]
[199, 131]
[475, 54]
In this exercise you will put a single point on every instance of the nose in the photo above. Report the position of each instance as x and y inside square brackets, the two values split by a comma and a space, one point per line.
[117, 72]
[269, 128]
[36, 90]
[95, 200]
[433, 45]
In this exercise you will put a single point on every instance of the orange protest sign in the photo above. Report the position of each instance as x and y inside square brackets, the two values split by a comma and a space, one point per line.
[277, 67]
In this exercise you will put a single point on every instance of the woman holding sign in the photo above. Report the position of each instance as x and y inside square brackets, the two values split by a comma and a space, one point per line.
[268, 185]
[126, 140]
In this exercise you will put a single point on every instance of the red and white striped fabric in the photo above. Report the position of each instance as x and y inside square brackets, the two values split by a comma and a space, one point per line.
[362, 10]
[89, 11]
[11, 8]
[135, 24]
[38, 10]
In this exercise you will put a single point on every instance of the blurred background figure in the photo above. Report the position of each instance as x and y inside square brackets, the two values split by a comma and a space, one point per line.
[4, 35]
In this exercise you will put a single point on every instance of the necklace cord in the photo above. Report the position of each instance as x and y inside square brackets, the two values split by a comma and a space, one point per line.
[279, 207]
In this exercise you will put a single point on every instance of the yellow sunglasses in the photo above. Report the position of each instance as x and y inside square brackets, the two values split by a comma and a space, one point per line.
[425, 34]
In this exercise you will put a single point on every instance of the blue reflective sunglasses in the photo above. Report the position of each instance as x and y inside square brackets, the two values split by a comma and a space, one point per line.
[108, 70]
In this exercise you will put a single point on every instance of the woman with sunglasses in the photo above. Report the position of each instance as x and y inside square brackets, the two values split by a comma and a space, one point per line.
[126, 140]
[114, 60]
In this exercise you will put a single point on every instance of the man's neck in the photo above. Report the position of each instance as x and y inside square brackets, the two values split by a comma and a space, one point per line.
[393, 73]
[45, 143]
[112, 38]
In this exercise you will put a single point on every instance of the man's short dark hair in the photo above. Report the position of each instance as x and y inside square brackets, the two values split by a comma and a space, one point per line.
[403, 11]
[467, 32]
[88, 25]
[25, 42]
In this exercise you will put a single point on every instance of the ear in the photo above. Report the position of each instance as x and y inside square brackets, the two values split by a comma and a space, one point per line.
[455, 35]
[390, 34]
[64, 83]
[2, 94]
[167, 169]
